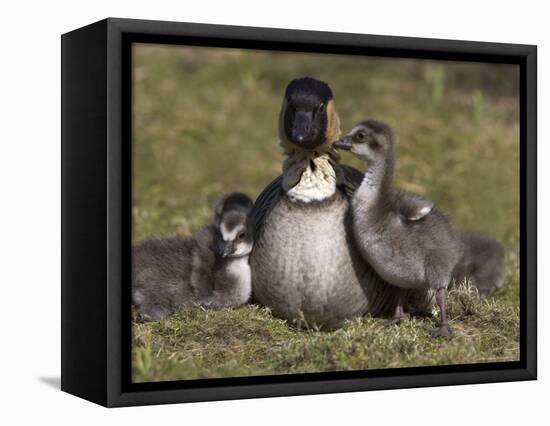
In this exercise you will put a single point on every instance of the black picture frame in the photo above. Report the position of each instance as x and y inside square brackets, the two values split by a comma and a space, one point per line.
[96, 211]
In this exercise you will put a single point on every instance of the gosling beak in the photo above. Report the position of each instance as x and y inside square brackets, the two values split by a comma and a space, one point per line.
[224, 249]
[344, 143]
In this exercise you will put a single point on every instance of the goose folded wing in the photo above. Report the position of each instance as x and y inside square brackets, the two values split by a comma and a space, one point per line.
[348, 179]
[264, 203]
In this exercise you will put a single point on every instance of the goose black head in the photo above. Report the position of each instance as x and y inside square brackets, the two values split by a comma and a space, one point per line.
[369, 140]
[308, 118]
[233, 225]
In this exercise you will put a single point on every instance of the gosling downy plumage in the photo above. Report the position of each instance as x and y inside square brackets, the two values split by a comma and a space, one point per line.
[305, 263]
[208, 269]
[409, 242]
[482, 261]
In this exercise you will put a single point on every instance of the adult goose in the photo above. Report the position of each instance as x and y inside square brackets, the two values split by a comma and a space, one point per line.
[305, 263]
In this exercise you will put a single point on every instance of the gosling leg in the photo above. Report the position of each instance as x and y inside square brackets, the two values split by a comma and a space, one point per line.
[399, 313]
[444, 330]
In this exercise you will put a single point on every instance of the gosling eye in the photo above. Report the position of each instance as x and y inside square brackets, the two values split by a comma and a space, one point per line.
[360, 136]
[241, 235]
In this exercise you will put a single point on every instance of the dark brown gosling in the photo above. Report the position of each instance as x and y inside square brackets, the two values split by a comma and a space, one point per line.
[208, 269]
[409, 242]
[482, 262]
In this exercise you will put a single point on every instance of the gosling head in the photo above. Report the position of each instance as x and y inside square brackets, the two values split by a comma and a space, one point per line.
[369, 140]
[308, 118]
[233, 226]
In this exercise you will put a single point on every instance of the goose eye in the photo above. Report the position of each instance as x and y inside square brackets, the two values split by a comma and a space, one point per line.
[322, 108]
[240, 235]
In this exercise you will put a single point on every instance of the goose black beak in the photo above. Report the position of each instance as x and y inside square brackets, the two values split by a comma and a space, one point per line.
[343, 143]
[302, 126]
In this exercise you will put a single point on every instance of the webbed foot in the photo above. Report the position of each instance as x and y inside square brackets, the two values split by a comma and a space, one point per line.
[442, 331]
[396, 320]
[399, 313]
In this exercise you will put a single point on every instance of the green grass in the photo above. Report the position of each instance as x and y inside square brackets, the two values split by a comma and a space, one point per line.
[199, 343]
[205, 122]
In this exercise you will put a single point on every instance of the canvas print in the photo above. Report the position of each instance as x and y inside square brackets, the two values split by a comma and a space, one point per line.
[303, 212]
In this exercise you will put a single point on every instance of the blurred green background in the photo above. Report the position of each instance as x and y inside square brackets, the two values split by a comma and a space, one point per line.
[205, 122]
